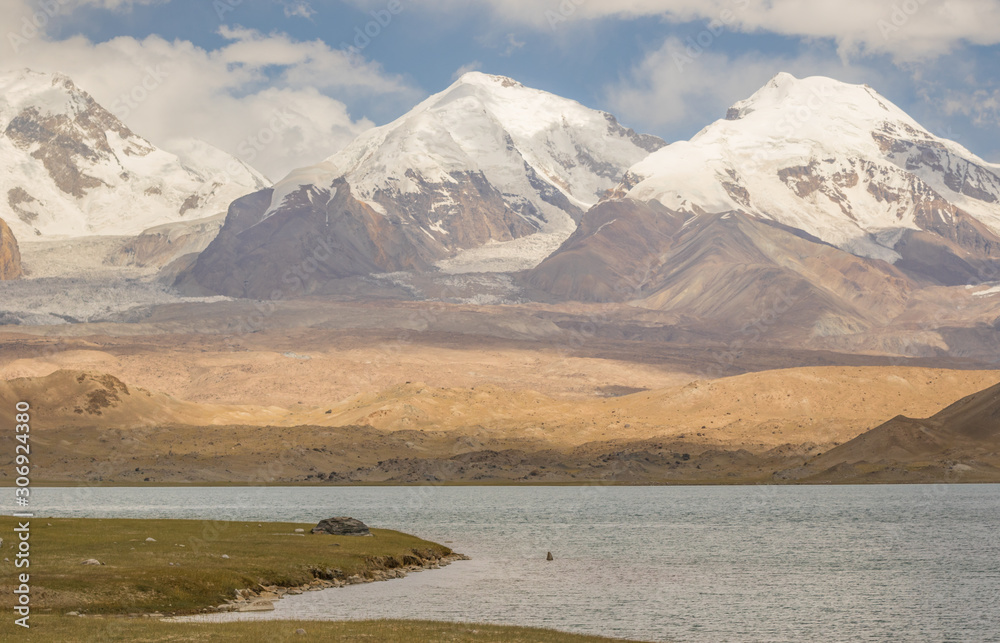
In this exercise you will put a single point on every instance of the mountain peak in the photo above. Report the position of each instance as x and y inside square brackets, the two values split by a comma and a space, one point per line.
[486, 176]
[836, 160]
[480, 79]
[782, 78]
[802, 99]
[485, 122]
[50, 93]
[72, 168]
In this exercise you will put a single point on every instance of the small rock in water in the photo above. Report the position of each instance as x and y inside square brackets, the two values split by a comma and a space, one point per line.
[549, 556]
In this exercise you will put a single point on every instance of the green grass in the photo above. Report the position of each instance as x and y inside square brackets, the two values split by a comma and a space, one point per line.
[112, 630]
[137, 576]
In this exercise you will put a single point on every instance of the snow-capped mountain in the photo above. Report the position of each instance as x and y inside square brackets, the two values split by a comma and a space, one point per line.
[839, 162]
[487, 175]
[549, 158]
[71, 169]
[815, 205]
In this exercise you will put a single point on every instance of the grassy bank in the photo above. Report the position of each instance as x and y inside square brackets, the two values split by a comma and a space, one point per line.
[114, 630]
[182, 570]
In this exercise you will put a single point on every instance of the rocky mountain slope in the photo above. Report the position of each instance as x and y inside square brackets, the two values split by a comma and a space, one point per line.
[814, 203]
[843, 164]
[70, 168]
[962, 440]
[732, 268]
[10, 255]
[488, 175]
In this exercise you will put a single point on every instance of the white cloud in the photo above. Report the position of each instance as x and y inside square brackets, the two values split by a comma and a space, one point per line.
[475, 65]
[511, 45]
[677, 87]
[299, 9]
[907, 29]
[38, 14]
[166, 90]
[981, 105]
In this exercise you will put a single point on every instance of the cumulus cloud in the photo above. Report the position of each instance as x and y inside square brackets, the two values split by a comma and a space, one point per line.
[679, 86]
[962, 86]
[906, 29]
[256, 87]
[982, 105]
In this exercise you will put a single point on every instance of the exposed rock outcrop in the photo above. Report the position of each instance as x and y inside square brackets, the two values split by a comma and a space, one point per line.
[342, 526]
[71, 168]
[10, 254]
[487, 176]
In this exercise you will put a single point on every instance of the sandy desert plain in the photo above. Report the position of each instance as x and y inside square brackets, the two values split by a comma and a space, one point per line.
[393, 392]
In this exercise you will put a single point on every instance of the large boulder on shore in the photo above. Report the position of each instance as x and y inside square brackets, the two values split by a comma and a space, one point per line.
[342, 527]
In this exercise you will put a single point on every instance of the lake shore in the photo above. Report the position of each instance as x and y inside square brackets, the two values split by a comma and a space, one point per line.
[126, 630]
[139, 572]
[671, 561]
[135, 567]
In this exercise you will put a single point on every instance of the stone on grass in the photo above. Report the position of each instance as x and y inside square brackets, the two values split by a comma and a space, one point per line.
[91, 561]
[342, 526]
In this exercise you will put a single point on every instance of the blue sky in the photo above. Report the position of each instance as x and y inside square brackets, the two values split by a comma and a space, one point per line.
[665, 67]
